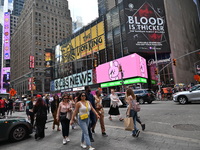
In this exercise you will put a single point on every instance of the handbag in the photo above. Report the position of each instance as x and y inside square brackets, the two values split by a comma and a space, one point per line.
[128, 123]
[119, 103]
[63, 116]
[85, 116]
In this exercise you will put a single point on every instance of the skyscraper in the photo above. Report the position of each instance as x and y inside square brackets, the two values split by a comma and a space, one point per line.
[17, 7]
[105, 5]
[41, 25]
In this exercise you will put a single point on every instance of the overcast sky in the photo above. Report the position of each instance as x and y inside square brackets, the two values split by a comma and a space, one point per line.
[87, 9]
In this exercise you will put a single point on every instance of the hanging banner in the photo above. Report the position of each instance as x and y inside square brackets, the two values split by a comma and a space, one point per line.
[146, 26]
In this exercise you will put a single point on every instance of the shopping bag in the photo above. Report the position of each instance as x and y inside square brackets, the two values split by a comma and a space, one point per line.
[119, 103]
[128, 123]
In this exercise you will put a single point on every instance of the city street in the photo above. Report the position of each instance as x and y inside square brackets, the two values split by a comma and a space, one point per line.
[169, 126]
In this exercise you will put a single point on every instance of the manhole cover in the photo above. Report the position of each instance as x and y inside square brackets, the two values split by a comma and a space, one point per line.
[187, 127]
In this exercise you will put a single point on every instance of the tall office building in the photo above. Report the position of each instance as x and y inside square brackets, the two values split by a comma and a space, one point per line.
[41, 25]
[17, 7]
[105, 5]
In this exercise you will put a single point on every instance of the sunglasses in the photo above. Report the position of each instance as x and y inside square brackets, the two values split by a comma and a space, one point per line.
[66, 98]
[83, 95]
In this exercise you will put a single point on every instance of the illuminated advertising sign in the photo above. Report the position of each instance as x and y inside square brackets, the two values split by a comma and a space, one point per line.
[127, 81]
[30, 82]
[86, 42]
[31, 62]
[146, 25]
[5, 75]
[6, 35]
[75, 80]
[131, 65]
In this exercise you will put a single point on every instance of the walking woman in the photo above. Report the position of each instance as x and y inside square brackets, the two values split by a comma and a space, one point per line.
[83, 107]
[99, 109]
[40, 111]
[114, 108]
[54, 109]
[64, 115]
[131, 99]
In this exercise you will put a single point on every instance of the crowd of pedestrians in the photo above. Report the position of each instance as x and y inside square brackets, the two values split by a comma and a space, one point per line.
[83, 108]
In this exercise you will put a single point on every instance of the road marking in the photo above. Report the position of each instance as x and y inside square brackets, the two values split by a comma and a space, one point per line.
[161, 123]
[162, 134]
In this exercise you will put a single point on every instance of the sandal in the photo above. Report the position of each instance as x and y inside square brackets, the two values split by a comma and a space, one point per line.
[121, 119]
[110, 118]
[58, 129]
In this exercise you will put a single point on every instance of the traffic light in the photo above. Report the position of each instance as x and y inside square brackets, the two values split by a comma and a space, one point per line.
[174, 62]
[95, 63]
[33, 80]
[156, 71]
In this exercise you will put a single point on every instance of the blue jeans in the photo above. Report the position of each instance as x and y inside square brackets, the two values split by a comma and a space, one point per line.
[134, 115]
[84, 126]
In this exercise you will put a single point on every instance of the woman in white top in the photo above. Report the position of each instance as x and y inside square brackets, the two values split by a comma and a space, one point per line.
[83, 107]
[114, 108]
[64, 115]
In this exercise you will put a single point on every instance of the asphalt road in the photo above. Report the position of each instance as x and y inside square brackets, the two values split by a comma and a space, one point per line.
[169, 126]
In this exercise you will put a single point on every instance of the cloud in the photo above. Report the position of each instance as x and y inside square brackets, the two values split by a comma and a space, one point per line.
[87, 9]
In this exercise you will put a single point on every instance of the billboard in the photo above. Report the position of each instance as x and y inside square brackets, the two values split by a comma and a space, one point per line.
[6, 35]
[132, 66]
[146, 26]
[75, 80]
[5, 75]
[85, 42]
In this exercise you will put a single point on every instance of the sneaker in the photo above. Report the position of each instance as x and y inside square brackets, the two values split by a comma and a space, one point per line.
[137, 133]
[91, 148]
[38, 138]
[93, 131]
[91, 140]
[104, 134]
[67, 139]
[83, 145]
[143, 127]
[133, 135]
[64, 141]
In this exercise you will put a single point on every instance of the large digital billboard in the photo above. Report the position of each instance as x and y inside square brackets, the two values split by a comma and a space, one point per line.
[85, 42]
[132, 66]
[5, 84]
[146, 26]
[6, 35]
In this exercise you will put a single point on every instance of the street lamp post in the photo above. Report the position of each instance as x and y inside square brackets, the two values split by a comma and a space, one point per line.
[122, 77]
[156, 60]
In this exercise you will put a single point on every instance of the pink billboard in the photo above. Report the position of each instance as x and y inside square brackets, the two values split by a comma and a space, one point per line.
[129, 66]
[6, 35]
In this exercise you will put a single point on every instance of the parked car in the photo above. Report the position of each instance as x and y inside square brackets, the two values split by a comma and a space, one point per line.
[14, 128]
[187, 96]
[144, 95]
[106, 99]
